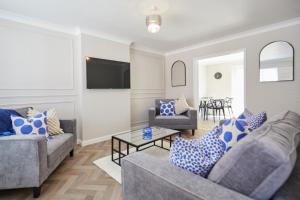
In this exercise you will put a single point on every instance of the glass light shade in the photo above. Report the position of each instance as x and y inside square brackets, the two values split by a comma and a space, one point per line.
[153, 28]
[153, 23]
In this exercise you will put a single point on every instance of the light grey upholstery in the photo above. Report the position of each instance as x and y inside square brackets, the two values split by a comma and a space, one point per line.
[58, 149]
[27, 160]
[23, 111]
[187, 120]
[148, 175]
[260, 164]
[264, 165]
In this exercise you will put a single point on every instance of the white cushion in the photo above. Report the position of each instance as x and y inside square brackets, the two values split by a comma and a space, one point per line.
[52, 121]
[181, 105]
[37, 124]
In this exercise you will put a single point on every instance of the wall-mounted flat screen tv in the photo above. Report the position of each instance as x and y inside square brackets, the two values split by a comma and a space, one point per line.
[107, 74]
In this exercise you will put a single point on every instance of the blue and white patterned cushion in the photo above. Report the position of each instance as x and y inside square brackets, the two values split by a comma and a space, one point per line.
[167, 108]
[233, 130]
[257, 120]
[198, 155]
[253, 120]
[34, 125]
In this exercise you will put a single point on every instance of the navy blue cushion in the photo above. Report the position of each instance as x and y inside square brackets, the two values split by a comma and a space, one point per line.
[5, 120]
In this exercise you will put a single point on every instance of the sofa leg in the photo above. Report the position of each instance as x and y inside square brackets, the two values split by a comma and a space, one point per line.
[72, 153]
[36, 192]
[193, 132]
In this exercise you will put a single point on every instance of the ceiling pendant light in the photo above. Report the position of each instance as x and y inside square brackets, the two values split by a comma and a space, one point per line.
[153, 20]
[153, 23]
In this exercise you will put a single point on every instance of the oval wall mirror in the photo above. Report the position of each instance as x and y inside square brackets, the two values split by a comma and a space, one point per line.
[276, 62]
[178, 74]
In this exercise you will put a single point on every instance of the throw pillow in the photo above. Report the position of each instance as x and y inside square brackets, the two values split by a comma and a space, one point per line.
[167, 108]
[245, 114]
[5, 120]
[34, 125]
[181, 105]
[52, 120]
[253, 120]
[198, 155]
[233, 130]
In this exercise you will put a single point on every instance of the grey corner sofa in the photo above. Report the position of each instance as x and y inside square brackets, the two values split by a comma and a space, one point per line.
[264, 165]
[27, 161]
[185, 121]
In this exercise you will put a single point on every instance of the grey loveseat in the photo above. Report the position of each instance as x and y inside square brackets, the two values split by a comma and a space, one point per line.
[185, 121]
[264, 165]
[27, 161]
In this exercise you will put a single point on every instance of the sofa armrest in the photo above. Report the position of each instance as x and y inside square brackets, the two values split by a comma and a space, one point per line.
[147, 177]
[151, 115]
[23, 161]
[68, 125]
[192, 114]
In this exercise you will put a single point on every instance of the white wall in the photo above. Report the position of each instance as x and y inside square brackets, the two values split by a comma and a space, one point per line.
[103, 111]
[147, 84]
[272, 97]
[218, 88]
[38, 68]
[44, 69]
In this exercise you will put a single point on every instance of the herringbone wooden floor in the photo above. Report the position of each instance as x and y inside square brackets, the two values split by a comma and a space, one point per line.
[78, 178]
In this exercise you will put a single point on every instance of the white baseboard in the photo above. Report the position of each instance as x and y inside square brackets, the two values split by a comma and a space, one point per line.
[100, 139]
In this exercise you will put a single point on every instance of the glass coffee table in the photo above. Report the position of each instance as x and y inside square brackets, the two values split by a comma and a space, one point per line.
[135, 139]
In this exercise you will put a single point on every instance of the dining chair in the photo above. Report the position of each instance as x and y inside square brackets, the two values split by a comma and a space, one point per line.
[216, 106]
[228, 105]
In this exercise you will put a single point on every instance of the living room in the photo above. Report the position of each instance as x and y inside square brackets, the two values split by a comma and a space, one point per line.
[110, 91]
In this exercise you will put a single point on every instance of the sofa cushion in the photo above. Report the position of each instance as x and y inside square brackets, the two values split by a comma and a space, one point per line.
[197, 155]
[176, 119]
[290, 189]
[157, 104]
[34, 125]
[58, 148]
[233, 130]
[5, 120]
[167, 108]
[23, 111]
[52, 120]
[260, 164]
[181, 105]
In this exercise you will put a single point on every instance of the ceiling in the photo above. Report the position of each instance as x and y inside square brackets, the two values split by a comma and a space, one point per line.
[184, 22]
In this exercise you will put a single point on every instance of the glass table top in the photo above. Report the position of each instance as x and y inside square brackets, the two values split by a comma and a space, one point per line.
[136, 137]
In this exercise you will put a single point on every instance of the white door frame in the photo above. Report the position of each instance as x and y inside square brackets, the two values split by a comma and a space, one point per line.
[196, 73]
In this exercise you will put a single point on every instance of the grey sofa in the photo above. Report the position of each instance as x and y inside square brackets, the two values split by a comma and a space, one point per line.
[27, 161]
[264, 165]
[185, 121]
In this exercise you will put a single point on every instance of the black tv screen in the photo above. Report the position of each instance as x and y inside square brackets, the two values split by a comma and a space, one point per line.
[107, 74]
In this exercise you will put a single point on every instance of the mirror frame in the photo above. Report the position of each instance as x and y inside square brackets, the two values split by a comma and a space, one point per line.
[292, 66]
[172, 73]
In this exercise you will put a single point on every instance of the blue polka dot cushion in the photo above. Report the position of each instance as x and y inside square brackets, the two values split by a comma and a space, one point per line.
[167, 108]
[233, 130]
[253, 120]
[33, 125]
[197, 155]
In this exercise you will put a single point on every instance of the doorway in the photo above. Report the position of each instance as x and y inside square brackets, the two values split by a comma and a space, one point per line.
[220, 85]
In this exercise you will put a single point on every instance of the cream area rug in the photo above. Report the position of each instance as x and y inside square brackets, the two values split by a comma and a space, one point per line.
[111, 168]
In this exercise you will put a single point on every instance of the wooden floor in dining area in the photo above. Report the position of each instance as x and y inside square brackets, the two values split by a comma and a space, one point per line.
[78, 178]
